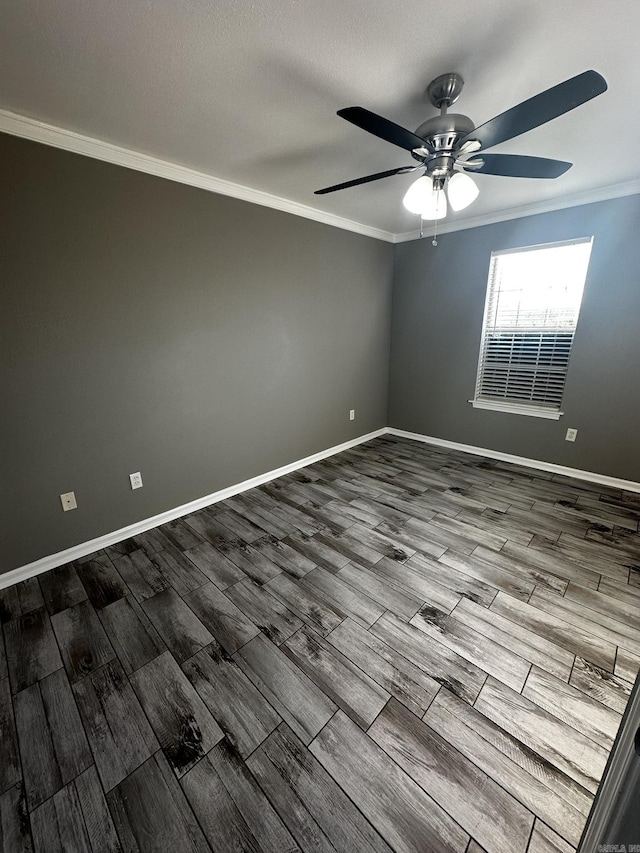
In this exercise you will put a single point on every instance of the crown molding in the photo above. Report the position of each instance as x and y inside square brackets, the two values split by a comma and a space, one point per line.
[547, 206]
[68, 140]
[58, 137]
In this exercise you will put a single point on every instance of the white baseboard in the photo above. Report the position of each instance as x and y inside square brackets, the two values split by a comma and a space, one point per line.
[84, 548]
[551, 467]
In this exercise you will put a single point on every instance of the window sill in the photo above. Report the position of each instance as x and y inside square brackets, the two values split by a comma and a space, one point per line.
[515, 409]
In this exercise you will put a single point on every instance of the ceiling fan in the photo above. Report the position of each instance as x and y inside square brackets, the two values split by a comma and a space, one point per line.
[448, 146]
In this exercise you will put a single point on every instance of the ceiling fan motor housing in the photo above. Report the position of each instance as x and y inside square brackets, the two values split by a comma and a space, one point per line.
[442, 133]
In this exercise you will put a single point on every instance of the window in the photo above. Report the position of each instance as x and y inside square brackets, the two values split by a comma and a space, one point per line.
[531, 313]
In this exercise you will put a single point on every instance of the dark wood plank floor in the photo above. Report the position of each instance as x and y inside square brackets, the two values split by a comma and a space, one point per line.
[398, 648]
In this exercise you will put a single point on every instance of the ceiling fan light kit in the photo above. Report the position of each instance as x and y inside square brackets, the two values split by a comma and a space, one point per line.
[426, 196]
[448, 145]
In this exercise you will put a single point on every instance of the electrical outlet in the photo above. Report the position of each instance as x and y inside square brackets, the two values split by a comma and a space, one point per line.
[68, 501]
[571, 435]
[352, 414]
[136, 480]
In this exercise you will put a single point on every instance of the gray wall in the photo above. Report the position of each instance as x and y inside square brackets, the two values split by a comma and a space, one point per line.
[156, 327]
[438, 307]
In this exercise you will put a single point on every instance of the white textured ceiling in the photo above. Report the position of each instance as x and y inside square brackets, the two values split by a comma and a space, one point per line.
[248, 91]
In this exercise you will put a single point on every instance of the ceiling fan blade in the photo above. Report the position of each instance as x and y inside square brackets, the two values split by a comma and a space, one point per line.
[518, 166]
[540, 109]
[382, 127]
[366, 179]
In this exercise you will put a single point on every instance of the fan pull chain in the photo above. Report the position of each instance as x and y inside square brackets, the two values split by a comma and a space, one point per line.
[434, 242]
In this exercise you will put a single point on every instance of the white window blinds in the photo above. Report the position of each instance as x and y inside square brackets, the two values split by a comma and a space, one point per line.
[531, 313]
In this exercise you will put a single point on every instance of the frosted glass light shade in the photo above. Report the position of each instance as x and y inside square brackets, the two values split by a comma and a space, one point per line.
[462, 191]
[415, 196]
[421, 198]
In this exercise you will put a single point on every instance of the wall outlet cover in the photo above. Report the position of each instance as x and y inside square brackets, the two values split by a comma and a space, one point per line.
[68, 501]
[136, 480]
[571, 435]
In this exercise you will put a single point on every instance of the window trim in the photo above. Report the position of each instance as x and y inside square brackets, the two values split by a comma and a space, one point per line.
[515, 409]
[511, 406]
